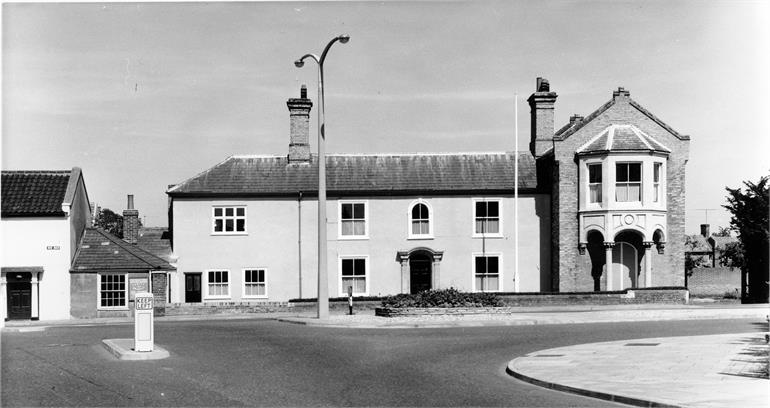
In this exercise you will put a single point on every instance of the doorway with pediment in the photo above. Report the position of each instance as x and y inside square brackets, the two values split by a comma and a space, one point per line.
[420, 269]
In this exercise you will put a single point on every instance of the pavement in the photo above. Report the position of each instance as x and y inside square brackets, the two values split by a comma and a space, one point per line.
[694, 371]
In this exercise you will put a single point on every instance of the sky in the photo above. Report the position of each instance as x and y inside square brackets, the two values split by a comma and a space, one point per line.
[143, 95]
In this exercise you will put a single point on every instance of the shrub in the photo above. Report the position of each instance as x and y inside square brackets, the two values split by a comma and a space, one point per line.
[443, 298]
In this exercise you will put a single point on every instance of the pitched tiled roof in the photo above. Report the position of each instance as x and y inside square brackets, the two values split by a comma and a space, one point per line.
[101, 251]
[36, 193]
[364, 174]
[699, 244]
[157, 241]
[622, 138]
[570, 128]
[721, 242]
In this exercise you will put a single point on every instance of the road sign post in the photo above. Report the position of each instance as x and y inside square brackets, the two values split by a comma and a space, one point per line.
[144, 330]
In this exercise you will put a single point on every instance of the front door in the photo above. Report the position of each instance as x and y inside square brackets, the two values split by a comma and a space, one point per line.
[420, 274]
[19, 300]
[192, 287]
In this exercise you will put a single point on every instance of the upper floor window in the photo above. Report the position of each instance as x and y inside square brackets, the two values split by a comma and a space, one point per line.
[487, 217]
[595, 183]
[628, 182]
[353, 221]
[656, 168]
[419, 221]
[229, 220]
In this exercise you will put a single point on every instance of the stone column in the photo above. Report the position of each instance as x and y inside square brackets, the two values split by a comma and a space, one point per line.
[436, 276]
[404, 259]
[35, 313]
[648, 263]
[608, 263]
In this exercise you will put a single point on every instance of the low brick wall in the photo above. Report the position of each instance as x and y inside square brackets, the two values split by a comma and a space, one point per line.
[714, 281]
[339, 305]
[176, 309]
[514, 301]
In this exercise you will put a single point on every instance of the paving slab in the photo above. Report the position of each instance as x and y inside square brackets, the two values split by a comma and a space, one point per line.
[123, 349]
[725, 370]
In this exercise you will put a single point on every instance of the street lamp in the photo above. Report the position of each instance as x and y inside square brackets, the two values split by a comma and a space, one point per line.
[323, 285]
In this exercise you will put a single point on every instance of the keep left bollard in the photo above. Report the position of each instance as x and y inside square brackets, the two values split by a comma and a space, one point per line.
[144, 330]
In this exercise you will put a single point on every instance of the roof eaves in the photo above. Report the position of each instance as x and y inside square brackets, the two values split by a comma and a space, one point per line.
[179, 185]
[657, 120]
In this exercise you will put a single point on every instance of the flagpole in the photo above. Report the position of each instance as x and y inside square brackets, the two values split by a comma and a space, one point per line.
[516, 192]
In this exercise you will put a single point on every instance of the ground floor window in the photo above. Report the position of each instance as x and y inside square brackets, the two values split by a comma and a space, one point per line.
[353, 273]
[112, 290]
[486, 272]
[254, 283]
[218, 284]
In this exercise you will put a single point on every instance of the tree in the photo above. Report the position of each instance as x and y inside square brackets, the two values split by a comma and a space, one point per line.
[749, 211]
[111, 222]
[723, 232]
[692, 261]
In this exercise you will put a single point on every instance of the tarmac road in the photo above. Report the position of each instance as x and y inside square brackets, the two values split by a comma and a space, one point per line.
[268, 363]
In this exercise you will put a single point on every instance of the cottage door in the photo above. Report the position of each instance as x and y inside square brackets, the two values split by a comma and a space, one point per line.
[192, 287]
[19, 300]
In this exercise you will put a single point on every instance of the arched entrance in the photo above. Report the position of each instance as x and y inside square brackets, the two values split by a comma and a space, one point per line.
[419, 269]
[626, 259]
[420, 272]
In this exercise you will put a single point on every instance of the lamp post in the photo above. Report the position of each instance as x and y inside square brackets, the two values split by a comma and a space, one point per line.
[323, 285]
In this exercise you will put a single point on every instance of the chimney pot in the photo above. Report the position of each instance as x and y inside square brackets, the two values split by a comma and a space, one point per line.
[705, 230]
[130, 204]
[303, 92]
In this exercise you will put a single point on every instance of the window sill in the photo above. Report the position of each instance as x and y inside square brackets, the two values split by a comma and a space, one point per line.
[352, 237]
[217, 298]
[254, 297]
[495, 236]
[417, 237]
[229, 233]
[113, 308]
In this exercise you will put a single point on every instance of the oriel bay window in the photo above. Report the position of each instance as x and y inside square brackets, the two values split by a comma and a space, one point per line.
[595, 183]
[353, 274]
[628, 182]
[486, 273]
[656, 182]
[353, 219]
[487, 217]
[229, 220]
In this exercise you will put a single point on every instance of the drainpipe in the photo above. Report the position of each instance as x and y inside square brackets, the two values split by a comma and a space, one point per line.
[299, 239]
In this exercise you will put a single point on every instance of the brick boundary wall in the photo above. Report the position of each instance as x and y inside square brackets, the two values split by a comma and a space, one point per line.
[714, 281]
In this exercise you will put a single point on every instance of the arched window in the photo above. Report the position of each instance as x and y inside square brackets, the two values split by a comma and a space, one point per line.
[419, 221]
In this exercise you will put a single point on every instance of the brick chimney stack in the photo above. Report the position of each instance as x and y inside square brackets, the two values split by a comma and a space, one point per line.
[541, 104]
[130, 222]
[299, 127]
